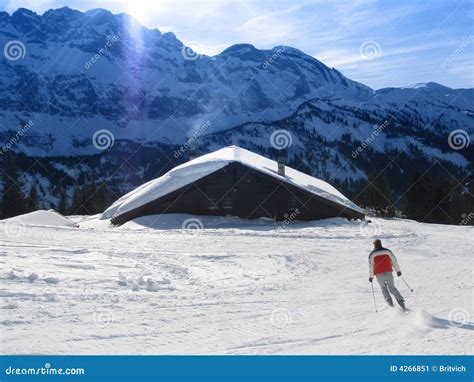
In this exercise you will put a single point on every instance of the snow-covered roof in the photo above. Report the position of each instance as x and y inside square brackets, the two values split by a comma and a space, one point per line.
[202, 166]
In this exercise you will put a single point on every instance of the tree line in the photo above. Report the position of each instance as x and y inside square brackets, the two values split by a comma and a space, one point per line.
[89, 198]
[427, 196]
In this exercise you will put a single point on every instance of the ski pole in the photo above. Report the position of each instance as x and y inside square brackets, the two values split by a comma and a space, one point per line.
[409, 287]
[373, 294]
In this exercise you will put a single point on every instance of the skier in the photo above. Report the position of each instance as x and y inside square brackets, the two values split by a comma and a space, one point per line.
[381, 261]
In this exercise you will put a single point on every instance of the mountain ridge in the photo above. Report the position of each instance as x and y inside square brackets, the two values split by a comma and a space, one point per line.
[88, 71]
[70, 11]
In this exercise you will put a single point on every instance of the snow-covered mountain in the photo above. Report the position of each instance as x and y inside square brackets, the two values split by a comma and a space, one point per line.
[82, 72]
[147, 79]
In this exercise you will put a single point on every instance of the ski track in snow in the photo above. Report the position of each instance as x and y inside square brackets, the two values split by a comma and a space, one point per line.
[241, 290]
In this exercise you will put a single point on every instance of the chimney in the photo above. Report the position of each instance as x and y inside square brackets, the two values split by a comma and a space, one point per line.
[281, 160]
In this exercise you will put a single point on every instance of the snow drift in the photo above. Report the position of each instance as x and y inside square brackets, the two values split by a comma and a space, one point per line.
[43, 218]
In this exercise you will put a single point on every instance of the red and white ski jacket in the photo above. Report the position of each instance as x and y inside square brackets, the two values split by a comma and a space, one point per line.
[382, 260]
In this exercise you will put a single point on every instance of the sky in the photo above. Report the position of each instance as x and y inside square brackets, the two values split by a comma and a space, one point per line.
[379, 43]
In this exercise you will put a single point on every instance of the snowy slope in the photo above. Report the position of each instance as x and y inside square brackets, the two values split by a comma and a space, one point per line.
[233, 287]
[204, 165]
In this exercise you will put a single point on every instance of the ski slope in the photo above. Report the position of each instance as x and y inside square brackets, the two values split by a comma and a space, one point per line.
[231, 287]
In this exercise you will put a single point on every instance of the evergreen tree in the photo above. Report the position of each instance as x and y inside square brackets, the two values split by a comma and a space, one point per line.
[62, 206]
[377, 193]
[89, 197]
[428, 198]
[415, 199]
[103, 197]
[77, 207]
[32, 203]
[441, 210]
[13, 201]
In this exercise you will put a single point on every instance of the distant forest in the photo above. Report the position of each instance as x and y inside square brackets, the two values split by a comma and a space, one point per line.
[426, 195]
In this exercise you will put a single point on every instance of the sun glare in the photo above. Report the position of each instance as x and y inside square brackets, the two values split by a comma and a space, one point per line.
[145, 11]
